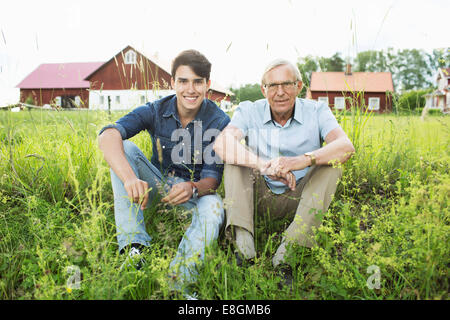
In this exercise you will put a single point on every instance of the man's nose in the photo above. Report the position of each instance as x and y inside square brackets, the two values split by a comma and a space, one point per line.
[191, 86]
[280, 90]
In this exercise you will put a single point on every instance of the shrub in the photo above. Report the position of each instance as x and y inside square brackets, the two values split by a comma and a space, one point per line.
[411, 100]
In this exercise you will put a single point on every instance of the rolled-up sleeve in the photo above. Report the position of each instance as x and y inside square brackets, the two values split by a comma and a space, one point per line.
[134, 122]
[117, 126]
[215, 169]
[241, 116]
[327, 120]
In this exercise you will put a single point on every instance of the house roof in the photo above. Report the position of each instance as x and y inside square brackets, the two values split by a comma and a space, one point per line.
[59, 75]
[357, 81]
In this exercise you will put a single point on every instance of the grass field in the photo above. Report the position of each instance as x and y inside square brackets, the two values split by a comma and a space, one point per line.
[385, 236]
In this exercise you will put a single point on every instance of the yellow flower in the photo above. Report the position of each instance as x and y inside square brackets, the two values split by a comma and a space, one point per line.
[69, 289]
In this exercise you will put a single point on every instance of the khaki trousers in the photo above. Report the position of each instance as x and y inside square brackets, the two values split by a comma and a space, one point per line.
[312, 196]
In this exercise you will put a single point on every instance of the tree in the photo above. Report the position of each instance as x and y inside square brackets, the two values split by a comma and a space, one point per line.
[372, 61]
[250, 92]
[307, 65]
[440, 58]
[413, 70]
[335, 63]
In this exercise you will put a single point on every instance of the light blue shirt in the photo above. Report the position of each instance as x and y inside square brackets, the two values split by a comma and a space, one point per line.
[304, 132]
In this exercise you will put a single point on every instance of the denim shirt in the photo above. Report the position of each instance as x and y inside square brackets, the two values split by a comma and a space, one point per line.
[186, 152]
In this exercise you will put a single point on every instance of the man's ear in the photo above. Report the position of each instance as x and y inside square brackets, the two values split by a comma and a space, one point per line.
[172, 83]
[299, 87]
[208, 84]
[263, 91]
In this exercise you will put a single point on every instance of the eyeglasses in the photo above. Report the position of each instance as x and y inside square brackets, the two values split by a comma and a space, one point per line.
[288, 85]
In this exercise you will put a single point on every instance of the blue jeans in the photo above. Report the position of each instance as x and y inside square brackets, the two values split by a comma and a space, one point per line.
[207, 216]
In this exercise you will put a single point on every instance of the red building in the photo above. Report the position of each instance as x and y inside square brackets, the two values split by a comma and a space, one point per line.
[341, 90]
[58, 83]
[127, 80]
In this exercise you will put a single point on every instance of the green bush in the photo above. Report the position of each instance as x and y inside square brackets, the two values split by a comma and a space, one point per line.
[411, 100]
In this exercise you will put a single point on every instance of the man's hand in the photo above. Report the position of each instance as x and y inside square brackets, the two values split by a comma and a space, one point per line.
[283, 165]
[288, 179]
[273, 169]
[137, 191]
[180, 193]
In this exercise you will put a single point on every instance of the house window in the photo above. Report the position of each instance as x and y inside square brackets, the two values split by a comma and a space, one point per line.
[130, 57]
[117, 99]
[102, 100]
[323, 99]
[339, 103]
[142, 99]
[374, 104]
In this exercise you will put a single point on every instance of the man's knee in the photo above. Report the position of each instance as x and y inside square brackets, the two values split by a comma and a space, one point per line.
[211, 207]
[130, 149]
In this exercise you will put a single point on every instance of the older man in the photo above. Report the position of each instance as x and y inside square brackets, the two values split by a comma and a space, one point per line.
[294, 172]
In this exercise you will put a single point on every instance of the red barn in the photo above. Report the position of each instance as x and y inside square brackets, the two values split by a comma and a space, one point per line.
[127, 80]
[58, 83]
[341, 90]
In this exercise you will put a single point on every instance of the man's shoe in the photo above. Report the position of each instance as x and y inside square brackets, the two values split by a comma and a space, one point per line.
[285, 273]
[134, 259]
[244, 245]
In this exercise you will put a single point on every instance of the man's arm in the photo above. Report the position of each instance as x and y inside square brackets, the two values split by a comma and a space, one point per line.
[110, 143]
[182, 192]
[229, 148]
[338, 149]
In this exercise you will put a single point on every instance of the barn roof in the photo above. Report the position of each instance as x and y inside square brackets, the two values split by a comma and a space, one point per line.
[357, 81]
[59, 75]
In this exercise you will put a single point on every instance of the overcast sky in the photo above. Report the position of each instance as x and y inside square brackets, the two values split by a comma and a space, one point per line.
[238, 36]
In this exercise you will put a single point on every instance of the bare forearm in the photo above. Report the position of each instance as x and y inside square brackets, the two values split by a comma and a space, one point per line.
[232, 151]
[110, 143]
[337, 151]
[206, 186]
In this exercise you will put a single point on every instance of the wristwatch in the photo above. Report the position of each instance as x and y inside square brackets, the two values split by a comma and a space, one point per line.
[194, 190]
[312, 156]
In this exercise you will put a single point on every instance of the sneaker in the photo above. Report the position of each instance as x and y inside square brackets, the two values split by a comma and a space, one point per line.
[133, 260]
[190, 296]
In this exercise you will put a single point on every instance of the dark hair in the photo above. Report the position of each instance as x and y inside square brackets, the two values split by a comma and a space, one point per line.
[195, 60]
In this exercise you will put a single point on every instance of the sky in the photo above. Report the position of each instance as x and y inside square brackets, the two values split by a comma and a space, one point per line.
[239, 37]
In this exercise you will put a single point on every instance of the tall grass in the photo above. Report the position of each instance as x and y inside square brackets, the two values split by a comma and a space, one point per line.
[390, 211]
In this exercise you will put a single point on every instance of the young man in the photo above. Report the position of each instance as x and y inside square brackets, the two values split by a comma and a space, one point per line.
[294, 177]
[182, 127]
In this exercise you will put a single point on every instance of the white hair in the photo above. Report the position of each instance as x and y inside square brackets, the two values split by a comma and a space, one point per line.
[281, 62]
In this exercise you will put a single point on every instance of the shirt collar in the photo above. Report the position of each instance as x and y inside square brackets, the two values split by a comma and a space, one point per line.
[172, 109]
[298, 112]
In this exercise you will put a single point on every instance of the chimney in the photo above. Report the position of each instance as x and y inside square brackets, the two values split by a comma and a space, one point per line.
[348, 69]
